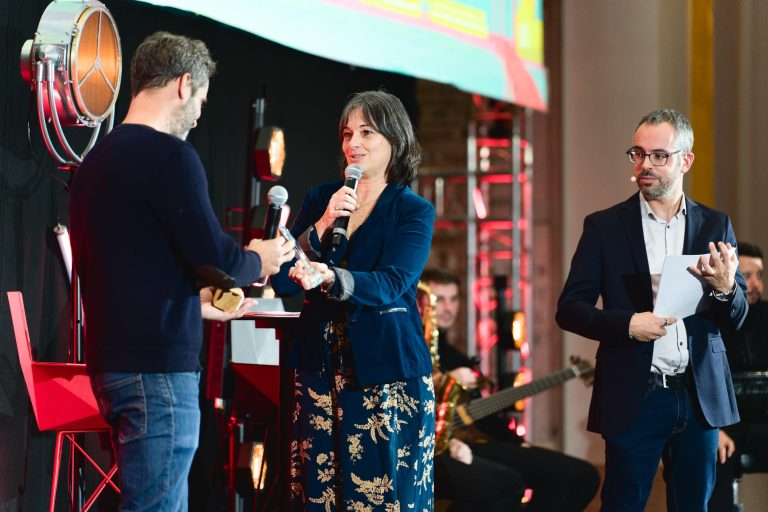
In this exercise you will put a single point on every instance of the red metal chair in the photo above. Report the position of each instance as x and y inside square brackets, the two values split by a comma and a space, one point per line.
[62, 400]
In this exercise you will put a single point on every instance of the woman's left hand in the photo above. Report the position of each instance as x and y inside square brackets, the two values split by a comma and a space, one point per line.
[299, 274]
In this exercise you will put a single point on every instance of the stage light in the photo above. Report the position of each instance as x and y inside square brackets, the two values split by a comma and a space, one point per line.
[477, 198]
[269, 153]
[519, 329]
[251, 456]
[74, 66]
[528, 494]
[524, 376]
[525, 351]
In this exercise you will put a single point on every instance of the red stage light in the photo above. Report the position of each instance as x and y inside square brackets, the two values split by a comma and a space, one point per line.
[480, 210]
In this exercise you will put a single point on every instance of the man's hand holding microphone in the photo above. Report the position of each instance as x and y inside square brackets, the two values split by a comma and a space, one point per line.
[273, 250]
[273, 253]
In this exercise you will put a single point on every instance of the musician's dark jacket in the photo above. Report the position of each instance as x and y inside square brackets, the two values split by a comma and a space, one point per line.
[747, 351]
[495, 426]
[384, 259]
[748, 347]
[611, 262]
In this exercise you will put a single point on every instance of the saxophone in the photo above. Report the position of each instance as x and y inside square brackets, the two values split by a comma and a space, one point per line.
[447, 390]
[426, 301]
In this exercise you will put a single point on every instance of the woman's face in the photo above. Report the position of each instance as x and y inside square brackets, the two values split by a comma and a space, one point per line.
[364, 146]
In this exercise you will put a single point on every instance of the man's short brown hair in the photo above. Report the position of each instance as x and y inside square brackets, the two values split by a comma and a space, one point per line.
[163, 57]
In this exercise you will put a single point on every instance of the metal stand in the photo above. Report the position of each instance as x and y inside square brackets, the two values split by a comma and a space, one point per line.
[252, 184]
[76, 355]
[252, 408]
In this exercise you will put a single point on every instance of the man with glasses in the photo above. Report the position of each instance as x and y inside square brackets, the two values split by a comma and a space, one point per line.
[662, 384]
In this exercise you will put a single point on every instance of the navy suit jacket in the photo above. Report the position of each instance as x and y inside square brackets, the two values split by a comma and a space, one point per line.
[611, 262]
[385, 256]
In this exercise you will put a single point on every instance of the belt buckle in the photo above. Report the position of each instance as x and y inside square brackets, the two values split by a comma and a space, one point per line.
[664, 381]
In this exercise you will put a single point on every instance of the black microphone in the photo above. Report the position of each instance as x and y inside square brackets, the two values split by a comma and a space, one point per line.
[352, 175]
[276, 197]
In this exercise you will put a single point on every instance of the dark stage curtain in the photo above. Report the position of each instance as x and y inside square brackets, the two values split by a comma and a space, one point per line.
[304, 96]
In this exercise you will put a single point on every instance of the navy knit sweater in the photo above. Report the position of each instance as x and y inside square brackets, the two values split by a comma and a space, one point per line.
[141, 222]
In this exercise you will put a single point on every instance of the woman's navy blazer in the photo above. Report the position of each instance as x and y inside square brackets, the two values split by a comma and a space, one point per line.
[385, 256]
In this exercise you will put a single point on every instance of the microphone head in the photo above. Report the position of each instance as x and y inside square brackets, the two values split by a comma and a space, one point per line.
[353, 171]
[633, 179]
[277, 195]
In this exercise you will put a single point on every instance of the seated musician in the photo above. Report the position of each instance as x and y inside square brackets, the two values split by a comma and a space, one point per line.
[490, 472]
[747, 351]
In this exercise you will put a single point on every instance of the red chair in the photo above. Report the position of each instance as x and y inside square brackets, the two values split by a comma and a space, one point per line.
[62, 400]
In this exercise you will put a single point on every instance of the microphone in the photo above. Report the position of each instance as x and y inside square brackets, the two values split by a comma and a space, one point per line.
[352, 175]
[62, 236]
[633, 179]
[276, 197]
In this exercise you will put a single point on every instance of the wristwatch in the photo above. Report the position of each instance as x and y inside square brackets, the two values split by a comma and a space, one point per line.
[724, 296]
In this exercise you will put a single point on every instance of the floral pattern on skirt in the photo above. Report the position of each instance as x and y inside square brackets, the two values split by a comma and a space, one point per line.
[360, 449]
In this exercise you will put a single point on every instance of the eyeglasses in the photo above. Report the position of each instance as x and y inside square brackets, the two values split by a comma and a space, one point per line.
[637, 156]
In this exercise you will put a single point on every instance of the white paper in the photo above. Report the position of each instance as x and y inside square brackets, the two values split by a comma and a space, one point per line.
[681, 293]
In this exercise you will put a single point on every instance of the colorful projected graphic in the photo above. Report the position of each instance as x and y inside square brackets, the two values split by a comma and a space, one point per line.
[490, 47]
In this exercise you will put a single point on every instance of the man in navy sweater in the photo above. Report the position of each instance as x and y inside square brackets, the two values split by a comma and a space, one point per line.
[142, 229]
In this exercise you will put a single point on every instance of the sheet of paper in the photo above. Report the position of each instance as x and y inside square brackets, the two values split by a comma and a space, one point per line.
[681, 293]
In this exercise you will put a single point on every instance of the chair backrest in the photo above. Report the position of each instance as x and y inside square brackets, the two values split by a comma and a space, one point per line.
[61, 393]
[23, 345]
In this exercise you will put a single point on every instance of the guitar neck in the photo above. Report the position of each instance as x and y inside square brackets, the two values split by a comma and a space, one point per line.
[482, 407]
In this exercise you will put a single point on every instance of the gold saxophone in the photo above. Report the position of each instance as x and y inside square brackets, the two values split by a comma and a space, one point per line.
[447, 390]
[426, 302]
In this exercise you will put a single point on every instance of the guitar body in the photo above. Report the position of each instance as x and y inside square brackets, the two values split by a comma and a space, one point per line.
[452, 420]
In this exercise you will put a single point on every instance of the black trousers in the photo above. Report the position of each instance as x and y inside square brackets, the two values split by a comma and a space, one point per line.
[501, 471]
[749, 437]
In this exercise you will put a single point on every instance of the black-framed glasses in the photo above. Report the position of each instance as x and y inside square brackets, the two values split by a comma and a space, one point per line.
[637, 156]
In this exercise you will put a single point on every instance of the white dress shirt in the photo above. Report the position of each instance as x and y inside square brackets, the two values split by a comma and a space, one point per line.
[662, 238]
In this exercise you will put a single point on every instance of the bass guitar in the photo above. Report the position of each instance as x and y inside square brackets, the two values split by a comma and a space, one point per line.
[452, 415]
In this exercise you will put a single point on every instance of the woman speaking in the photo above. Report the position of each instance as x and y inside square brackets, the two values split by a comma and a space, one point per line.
[363, 422]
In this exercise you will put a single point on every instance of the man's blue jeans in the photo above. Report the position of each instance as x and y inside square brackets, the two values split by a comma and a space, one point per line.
[667, 428]
[155, 420]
